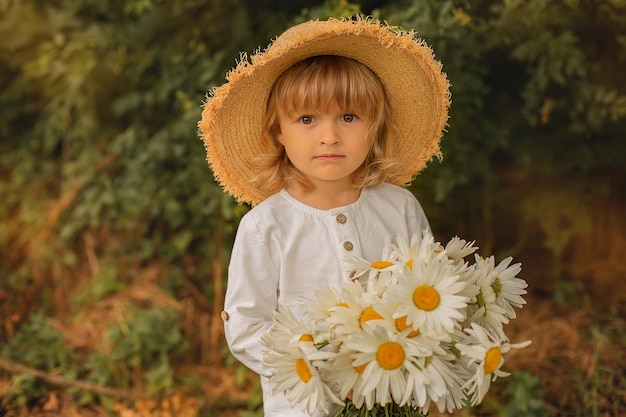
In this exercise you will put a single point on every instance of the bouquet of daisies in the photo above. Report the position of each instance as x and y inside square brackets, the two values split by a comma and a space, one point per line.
[419, 327]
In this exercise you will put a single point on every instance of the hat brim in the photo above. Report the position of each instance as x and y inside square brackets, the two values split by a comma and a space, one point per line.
[416, 87]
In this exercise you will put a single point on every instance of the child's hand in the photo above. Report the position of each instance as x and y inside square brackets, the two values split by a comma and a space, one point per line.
[349, 396]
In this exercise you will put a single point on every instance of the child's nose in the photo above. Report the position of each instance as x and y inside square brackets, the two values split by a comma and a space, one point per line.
[329, 134]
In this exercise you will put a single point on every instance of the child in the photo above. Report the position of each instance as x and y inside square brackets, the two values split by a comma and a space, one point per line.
[318, 133]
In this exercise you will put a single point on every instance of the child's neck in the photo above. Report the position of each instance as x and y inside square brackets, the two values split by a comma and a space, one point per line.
[325, 199]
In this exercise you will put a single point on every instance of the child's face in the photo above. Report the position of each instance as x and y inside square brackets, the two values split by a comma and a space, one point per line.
[327, 147]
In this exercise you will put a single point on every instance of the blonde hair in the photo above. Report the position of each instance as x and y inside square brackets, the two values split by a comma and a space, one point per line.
[320, 82]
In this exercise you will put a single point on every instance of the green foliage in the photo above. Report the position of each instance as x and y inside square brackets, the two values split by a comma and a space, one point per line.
[23, 389]
[141, 347]
[137, 353]
[568, 292]
[562, 225]
[389, 410]
[601, 386]
[330, 8]
[254, 405]
[525, 397]
[39, 345]
[107, 282]
[537, 107]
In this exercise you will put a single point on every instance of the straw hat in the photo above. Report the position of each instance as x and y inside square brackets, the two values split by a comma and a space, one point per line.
[417, 90]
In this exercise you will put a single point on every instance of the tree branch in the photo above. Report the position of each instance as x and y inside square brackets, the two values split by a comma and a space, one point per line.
[61, 381]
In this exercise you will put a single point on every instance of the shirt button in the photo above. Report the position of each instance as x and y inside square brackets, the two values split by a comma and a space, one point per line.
[347, 245]
[341, 218]
[224, 315]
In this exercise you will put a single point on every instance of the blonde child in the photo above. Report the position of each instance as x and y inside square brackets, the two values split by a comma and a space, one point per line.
[318, 133]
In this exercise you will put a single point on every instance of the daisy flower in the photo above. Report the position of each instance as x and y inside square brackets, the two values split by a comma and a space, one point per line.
[466, 273]
[482, 353]
[417, 383]
[387, 357]
[377, 274]
[429, 296]
[500, 291]
[458, 248]
[289, 329]
[418, 249]
[319, 307]
[347, 378]
[455, 374]
[294, 374]
[508, 288]
[420, 327]
[360, 267]
[387, 308]
[445, 389]
[428, 339]
[385, 278]
[490, 317]
[354, 311]
[427, 249]
[484, 309]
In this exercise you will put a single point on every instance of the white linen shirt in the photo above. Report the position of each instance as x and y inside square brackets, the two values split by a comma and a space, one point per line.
[285, 249]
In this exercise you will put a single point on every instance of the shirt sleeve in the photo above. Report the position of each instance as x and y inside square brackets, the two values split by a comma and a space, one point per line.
[251, 295]
[417, 221]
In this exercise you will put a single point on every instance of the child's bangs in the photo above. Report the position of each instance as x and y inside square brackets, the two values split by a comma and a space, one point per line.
[318, 83]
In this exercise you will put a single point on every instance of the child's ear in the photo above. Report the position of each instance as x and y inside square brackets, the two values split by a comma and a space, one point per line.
[279, 137]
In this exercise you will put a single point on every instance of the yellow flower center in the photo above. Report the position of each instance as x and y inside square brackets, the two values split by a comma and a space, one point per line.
[492, 360]
[426, 298]
[381, 264]
[369, 314]
[303, 371]
[361, 368]
[409, 264]
[390, 355]
[402, 326]
[306, 338]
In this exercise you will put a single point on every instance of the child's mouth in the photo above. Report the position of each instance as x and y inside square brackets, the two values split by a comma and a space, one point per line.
[328, 157]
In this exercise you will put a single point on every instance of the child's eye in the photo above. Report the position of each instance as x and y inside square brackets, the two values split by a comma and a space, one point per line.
[306, 120]
[348, 118]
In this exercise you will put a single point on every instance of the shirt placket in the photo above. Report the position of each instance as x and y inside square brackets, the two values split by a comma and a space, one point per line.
[347, 237]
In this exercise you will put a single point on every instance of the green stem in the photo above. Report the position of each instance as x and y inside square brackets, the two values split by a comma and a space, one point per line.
[388, 410]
